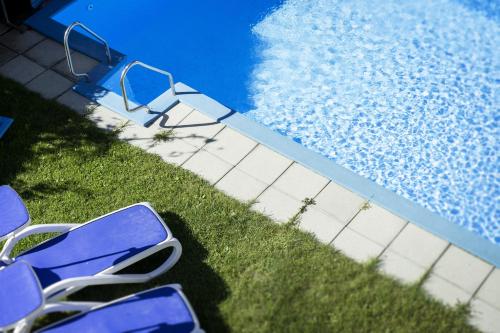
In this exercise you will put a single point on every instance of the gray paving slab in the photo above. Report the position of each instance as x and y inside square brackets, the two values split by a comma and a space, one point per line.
[241, 185]
[339, 202]
[418, 245]
[46, 53]
[6, 55]
[105, 118]
[81, 63]
[485, 317]
[264, 164]
[324, 226]
[400, 267]
[21, 69]
[207, 166]
[197, 129]
[490, 290]
[230, 145]
[461, 268]
[377, 224]
[300, 182]
[174, 151]
[445, 291]
[3, 28]
[76, 102]
[49, 84]
[357, 246]
[174, 116]
[277, 205]
[20, 41]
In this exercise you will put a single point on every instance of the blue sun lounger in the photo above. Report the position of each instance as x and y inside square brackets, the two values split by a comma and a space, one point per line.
[13, 213]
[163, 309]
[4, 124]
[90, 253]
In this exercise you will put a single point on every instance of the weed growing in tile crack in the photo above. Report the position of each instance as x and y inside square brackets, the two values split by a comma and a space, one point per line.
[366, 206]
[120, 128]
[373, 264]
[163, 136]
[295, 220]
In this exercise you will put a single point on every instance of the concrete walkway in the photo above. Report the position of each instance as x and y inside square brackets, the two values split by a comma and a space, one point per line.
[249, 171]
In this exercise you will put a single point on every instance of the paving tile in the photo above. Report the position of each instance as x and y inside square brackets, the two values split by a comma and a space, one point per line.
[230, 145]
[300, 182]
[339, 202]
[6, 55]
[485, 317]
[490, 290]
[21, 69]
[264, 164]
[47, 53]
[174, 116]
[322, 225]
[400, 267]
[277, 205]
[76, 102]
[137, 135]
[207, 166]
[356, 246]
[3, 28]
[105, 118]
[462, 268]
[197, 129]
[377, 224]
[81, 63]
[418, 245]
[20, 41]
[49, 84]
[175, 151]
[445, 291]
[240, 185]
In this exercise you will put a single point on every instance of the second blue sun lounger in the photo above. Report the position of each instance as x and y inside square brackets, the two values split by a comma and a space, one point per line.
[13, 213]
[163, 309]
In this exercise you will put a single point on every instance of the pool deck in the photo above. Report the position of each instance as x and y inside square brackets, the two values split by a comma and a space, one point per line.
[248, 171]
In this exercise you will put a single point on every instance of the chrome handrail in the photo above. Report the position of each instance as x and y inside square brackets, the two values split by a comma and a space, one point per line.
[154, 69]
[68, 52]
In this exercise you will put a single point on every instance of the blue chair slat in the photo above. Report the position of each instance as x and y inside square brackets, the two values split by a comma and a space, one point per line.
[96, 246]
[20, 293]
[13, 212]
[159, 310]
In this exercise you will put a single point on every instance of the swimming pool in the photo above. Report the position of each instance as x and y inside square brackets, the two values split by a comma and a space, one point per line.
[403, 93]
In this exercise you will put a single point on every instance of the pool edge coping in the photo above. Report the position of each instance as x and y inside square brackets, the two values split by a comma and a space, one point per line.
[368, 189]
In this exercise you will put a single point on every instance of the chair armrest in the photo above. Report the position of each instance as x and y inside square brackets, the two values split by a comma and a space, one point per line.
[32, 230]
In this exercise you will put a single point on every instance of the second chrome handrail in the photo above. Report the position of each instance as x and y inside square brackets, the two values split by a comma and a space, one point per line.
[154, 69]
[68, 51]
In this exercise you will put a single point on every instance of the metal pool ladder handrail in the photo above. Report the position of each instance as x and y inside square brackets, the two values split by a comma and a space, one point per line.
[154, 69]
[68, 52]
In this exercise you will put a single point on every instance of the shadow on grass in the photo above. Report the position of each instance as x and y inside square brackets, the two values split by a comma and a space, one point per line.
[204, 288]
[43, 127]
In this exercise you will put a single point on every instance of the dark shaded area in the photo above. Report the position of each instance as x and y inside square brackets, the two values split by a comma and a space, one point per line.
[16, 11]
[203, 287]
[49, 125]
[53, 128]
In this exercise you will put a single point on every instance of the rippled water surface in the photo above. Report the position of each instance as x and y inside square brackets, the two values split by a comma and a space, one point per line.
[405, 93]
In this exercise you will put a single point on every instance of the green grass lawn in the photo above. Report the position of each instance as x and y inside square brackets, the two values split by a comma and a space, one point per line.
[241, 271]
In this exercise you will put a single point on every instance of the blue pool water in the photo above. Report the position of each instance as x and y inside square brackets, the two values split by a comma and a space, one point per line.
[404, 93]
